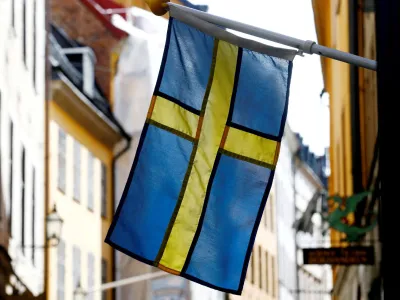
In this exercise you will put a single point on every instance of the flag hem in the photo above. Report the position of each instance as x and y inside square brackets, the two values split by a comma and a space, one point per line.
[182, 274]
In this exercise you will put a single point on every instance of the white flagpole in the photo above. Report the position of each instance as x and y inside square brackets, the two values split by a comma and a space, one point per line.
[126, 281]
[160, 7]
[80, 294]
[308, 47]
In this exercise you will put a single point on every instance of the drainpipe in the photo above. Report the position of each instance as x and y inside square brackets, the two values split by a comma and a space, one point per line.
[114, 161]
[355, 112]
[46, 186]
[294, 171]
[354, 101]
[355, 115]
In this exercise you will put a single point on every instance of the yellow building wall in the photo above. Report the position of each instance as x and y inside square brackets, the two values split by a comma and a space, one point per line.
[81, 227]
[332, 23]
[368, 93]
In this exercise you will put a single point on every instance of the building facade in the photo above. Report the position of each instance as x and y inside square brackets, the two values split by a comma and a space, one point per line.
[83, 23]
[350, 26]
[310, 184]
[286, 215]
[82, 136]
[262, 273]
[299, 182]
[22, 127]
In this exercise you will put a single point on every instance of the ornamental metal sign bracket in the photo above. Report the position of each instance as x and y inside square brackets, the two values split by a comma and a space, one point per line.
[341, 216]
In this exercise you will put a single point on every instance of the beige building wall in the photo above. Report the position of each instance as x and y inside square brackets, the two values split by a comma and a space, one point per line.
[262, 275]
[82, 226]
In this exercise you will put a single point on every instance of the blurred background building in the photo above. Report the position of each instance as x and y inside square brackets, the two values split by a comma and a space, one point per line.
[310, 189]
[22, 144]
[82, 135]
[350, 26]
[300, 187]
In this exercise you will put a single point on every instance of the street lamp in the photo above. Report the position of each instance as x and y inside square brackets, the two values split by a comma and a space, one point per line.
[53, 226]
[53, 230]
[79, 293]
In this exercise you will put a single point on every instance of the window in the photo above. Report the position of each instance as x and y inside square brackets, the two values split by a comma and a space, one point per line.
[13, 13]
[271, 212]
[24, 30]
[344, 158]
[338, 6]
[76, 267]
[10, 187]
[273, 276]
[62, 147]
[104, 277]
[23, 200]
[33, 213]
[90, 181]
[0, 157]
[359, 297]
[266, 215]
[253, 268]
[266, 272]
[60, 270]
[260, 267]
[34, 45]
[77, 171]
[369, 6]
[338, 159]
[103, 190]
[91, 273]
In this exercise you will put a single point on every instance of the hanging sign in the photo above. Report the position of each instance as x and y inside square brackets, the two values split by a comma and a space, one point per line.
[339, 256]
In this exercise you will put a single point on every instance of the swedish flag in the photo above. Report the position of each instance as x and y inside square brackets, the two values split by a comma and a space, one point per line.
[206, 157]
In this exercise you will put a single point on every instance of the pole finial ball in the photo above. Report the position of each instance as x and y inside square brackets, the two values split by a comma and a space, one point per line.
[158, 7]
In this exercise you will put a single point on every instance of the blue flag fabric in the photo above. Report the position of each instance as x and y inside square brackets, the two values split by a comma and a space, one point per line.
[206, 158]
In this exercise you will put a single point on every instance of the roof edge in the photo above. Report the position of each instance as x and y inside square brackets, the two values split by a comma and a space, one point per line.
[98, 8]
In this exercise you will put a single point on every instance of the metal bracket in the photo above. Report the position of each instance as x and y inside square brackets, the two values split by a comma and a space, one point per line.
[307, 46]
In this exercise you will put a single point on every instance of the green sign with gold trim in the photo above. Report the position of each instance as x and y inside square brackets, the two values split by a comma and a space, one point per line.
[342, 215]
